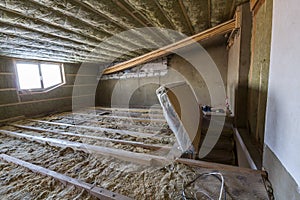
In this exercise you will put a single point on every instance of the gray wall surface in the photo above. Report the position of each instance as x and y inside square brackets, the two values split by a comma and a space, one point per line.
[12, 104]
[141, 91]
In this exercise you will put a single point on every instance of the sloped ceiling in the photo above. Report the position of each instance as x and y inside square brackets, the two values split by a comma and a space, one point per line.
[70, 30]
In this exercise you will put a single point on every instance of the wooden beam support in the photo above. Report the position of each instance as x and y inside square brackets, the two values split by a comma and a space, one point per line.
[144, 127]
[217, 30]
[133, 143]
[121, 132]
[3, 121]
[128, 118]
[116, 114]
[129, 109]
[217, 166]
[44, 100]
[95, 191]
[255, 5]
[139, 158]
[187, 19]
[209, 13]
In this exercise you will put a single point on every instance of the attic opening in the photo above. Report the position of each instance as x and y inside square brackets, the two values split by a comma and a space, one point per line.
[39, 76]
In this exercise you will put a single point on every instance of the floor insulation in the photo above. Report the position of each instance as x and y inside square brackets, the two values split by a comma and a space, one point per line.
[141, 135]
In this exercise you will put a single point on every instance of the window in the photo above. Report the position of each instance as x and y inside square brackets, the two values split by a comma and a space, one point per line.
[37, 76]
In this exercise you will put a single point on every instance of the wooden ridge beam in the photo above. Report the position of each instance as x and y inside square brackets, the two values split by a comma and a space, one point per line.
[122, 132]
[139, 158]
[95, 191]
[217, 30]
[126, 142]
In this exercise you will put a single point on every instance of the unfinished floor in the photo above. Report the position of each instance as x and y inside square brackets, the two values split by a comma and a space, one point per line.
[107, 148]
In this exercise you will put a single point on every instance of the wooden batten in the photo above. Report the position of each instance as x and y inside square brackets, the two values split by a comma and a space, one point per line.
[142, 110]
[127, 156]
[95, 191]
[151, 128]
[217, 166]
[161, 120]
[255, 5]
[110, 130]
[133, 143]
[217, 30]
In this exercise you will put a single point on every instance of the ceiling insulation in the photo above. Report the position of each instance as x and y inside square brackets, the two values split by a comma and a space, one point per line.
[82, 30]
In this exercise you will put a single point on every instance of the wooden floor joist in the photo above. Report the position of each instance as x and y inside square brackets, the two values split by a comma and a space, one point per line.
[217, 166]
[126, 142]
[138, 119]
[139, 158]
[217, 30]
[95, 191]
[88, 120]
[138, 110]
[131, 113]
[109, 130]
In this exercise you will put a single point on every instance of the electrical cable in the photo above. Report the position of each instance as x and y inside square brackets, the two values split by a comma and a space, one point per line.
[217, 175]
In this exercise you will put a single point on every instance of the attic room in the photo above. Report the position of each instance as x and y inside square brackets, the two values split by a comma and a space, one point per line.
[149, 99]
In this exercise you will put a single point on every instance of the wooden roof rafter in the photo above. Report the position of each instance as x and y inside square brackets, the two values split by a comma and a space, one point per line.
[217, 30]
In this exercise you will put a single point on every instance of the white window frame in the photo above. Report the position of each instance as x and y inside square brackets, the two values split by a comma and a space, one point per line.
[42, 89]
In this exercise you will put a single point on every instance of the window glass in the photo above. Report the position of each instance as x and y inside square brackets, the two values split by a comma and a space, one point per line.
[29, 76]
[51, 74]
[39, 76]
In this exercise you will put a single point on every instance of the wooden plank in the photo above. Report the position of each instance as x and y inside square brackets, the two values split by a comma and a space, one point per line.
[149, 128]
[8, 89]
[95, 191]
[141, 117]
[216, 166]
[217, 30]
[253, 4]
[139, 158]
[245, 151]
[12, 119]
[7, 73]
[45, 100]
[187, 19]
[130, 109]
[133, 143]
[122, 132]
[126, 118]
[153, 114]
[146, 114]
